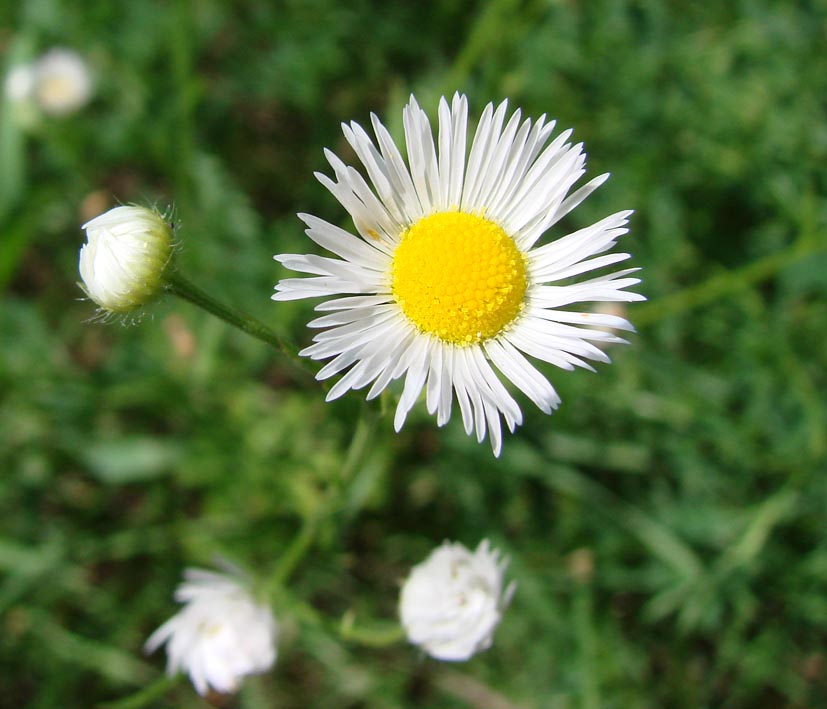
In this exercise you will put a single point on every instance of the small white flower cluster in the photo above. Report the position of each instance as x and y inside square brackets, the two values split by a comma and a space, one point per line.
[57, 83]
[449, 606]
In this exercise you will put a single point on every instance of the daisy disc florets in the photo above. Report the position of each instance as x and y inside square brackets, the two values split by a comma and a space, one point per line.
[445, 284]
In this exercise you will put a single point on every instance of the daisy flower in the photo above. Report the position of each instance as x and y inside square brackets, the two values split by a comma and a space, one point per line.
[220, 635]
[445, 284]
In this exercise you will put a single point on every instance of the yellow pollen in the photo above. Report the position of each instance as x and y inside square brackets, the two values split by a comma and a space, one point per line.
[458, 276]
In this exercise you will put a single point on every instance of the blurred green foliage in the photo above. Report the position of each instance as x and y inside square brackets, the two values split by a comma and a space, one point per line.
[666, 526]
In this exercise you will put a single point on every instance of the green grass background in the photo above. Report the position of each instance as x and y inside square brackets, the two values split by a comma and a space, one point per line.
[666, 526]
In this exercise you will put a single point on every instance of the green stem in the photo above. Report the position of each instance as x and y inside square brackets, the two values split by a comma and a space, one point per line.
[306, 536]
[585, 631]
[374, 637]
[299, 546]
[186, 289]
[358, 446]
[485, 36]
[722, 284]
[370, 634]
[146, 696]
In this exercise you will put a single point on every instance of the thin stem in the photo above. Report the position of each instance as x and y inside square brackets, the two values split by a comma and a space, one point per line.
[584, 628]
[486, 35]
[299, 546]
[370, 634]
[723, 284]
[358, 445]
[146, 696]
[306, 536]
[186, 289]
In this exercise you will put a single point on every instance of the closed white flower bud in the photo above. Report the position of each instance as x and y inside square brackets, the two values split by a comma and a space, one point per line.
[123, 264]
[453, 601]
[219, 636]
[62, 82]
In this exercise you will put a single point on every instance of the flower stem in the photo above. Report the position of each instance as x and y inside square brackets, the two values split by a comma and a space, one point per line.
[371, 633]
[146, 696]
[724, 284]
[299, 546]
[186, 289]
[306, 536]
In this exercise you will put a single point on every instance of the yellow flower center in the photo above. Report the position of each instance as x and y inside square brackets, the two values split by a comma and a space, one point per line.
[458, 276]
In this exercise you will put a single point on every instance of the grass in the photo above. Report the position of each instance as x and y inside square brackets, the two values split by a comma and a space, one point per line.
[665, 526]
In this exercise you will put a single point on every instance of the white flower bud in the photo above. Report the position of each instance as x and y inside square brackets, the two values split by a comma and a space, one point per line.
[62, 82]
[123, 264]
[453, 601]
[221, 634]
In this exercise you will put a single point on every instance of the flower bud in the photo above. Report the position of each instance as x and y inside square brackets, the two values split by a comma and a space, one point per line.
[221, 634]
[123, 264]
[453, 601]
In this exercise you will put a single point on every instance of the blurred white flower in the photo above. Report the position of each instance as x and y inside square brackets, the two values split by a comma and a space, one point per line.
[453, 601]
[62, 82]
[219, 636]
[19, 83]
[124, 261]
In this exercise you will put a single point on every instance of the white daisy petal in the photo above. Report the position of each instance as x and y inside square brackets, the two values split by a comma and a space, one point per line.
[523, 374]
[433, 388]
[509, 175]
[482, 149]
[417, 370]
[343, 244]
[398, 174]
[452, 127]
[492, 418]
[444, 287]
[496, 392]
[373, 221]
[580, 244]
[378, 172]
[296, 288]
[535, 170]
[422, 156]
[461, 387]
[356, 378]
[445, 391]
[385, 374]
[493, 173]
[578, 196]
[584, 266]
[587, 333]
[591, 319]
[351, 302]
